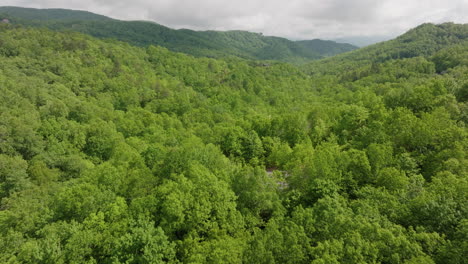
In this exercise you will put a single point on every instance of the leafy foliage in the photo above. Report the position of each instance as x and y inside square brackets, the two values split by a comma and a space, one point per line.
[111, 153]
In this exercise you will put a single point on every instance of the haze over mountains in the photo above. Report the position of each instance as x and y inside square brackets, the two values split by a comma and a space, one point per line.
[198, 43]
[362, 41]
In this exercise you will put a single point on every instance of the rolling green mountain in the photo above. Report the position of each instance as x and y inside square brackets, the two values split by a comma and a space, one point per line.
[198, 43]
[113, 153]
[49, 14]
[327, 48]
[422, 41]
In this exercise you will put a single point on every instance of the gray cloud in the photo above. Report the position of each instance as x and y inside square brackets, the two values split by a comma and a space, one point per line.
[296, 19]
[340, 10]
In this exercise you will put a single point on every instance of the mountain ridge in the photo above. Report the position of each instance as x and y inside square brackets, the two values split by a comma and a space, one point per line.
[209, 43]
[422, 41]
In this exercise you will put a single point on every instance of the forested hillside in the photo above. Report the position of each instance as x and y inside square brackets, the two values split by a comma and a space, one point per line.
[48, 14]
[111, 153]
[424, 40]
[198, 43]
[326, 48]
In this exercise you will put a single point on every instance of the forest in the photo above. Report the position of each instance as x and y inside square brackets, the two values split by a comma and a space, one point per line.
[114, 153]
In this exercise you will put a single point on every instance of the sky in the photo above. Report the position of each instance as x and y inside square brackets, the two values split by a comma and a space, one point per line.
[293, 19]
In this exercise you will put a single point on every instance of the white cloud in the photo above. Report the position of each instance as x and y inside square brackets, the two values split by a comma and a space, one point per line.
[297, 19]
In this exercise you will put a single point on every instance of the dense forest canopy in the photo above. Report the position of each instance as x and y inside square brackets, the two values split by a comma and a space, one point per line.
[216, 44]
[111, 153]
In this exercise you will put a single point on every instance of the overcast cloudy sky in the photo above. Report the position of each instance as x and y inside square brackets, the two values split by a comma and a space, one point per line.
[295, 19]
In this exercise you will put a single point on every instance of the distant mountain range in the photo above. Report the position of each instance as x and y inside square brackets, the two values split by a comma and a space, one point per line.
[197, 43]
[362, 41]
